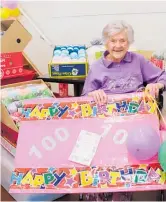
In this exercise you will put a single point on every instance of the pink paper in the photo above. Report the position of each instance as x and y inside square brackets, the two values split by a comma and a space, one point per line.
[57, 152]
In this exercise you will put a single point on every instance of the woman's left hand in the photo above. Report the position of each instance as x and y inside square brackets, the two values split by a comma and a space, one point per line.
[153, 89]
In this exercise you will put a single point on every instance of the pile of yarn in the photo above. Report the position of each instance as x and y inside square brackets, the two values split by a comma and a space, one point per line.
[69, 54]
[12, 97]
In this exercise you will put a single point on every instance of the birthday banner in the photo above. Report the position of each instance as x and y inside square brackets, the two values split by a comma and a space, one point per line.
[118, 105]
[80, 107]
[87, 155]
[88, 179]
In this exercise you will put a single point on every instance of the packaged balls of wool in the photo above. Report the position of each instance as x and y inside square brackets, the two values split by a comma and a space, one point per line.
[74, 55]
[57, 52]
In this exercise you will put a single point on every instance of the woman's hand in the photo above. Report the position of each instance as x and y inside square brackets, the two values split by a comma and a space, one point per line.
[99, 96]
[153, 89]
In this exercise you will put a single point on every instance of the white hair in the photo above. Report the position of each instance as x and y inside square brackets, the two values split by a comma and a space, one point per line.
[116, 27]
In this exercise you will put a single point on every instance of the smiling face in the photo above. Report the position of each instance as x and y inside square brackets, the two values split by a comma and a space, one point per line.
[117, 46]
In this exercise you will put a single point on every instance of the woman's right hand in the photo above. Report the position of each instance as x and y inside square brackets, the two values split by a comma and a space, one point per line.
[99, 96]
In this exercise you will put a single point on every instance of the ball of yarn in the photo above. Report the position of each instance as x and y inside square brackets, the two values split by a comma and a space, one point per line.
[81, 51]
[73, 55]
[12, 108]
[18, 104]
[57, 52]
[70, 49]
[65, 53]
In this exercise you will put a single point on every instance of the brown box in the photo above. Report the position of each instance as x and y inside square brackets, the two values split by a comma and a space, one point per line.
[15, 37]
[30, 72]
[5, 117]
[29, 65]
[146, 53]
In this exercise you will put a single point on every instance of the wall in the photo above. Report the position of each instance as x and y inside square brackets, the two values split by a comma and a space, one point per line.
[75, 22]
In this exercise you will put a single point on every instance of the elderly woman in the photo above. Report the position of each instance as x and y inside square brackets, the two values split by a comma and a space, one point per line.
[120, 71]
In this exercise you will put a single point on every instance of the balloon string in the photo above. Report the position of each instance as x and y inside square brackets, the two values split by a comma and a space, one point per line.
[146, 94]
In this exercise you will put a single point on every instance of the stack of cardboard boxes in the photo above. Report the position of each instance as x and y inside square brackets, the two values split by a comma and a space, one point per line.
[16, 69]
[15, 65]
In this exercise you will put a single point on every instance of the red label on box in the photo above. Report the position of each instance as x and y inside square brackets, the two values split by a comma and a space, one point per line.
[11, 60]
[11, 72]
[11, 64]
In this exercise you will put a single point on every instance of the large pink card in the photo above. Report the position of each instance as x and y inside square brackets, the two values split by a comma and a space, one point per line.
[44, 147]
[50, 143]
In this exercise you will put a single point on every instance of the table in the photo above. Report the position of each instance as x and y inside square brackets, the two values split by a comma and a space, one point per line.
[77, 82]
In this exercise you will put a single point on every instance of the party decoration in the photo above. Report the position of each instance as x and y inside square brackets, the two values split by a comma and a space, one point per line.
[28, 109]
[9, 4]
[9, 9]
[74, 109]
[143, 142]
[4, 13]
[108, 179]
[112, 167]
[14, 12]
[65, 133]
[162, 156]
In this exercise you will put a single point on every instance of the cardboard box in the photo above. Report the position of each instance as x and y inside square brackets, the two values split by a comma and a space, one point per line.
[68, 62]
[68, 70]
[5, 117]
[146, 53]
[14, 39]
[11, 64]
[30, 72]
